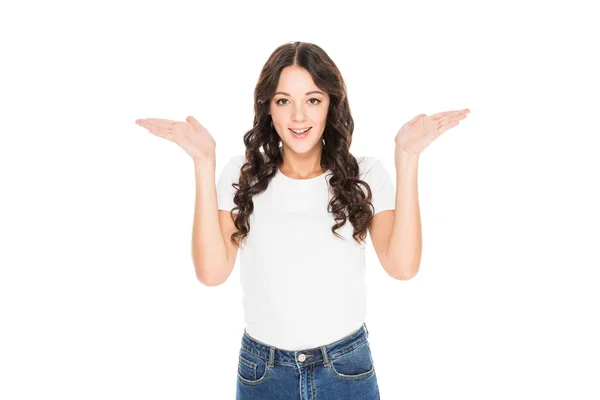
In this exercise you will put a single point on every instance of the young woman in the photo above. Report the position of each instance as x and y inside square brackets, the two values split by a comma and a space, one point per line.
[298, 205]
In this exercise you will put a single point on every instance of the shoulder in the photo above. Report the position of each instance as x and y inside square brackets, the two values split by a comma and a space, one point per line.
[232, 169]
[234, 163]
[366, 164]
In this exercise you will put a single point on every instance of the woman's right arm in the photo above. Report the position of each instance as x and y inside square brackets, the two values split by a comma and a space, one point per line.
[213, 253]
[212, 250]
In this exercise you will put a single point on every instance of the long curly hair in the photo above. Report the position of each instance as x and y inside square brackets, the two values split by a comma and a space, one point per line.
[348, 200]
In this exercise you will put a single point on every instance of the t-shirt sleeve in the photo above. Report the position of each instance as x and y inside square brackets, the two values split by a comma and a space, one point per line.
[383, 189]
[229, 175]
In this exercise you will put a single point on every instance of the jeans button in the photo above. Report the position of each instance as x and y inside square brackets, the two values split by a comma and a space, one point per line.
[301, 357]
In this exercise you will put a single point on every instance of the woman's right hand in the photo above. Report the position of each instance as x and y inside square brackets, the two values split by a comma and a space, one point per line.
[191, 136]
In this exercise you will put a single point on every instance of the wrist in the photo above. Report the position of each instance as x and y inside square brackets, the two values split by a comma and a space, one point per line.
[403, 157]
[205, 162]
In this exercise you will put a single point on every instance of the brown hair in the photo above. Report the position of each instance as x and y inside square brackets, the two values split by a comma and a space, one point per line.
[348, 201]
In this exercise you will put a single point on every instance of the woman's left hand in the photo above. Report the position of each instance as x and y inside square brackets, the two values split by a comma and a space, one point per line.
[419, 132]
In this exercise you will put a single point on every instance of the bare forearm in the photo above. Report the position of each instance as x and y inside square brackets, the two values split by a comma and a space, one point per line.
[405, 242]
[208, 246]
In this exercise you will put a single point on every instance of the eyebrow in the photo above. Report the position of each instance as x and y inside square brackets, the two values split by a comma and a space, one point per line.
[307, 93]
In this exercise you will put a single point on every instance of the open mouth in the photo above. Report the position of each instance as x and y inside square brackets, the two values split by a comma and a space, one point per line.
[300, 133]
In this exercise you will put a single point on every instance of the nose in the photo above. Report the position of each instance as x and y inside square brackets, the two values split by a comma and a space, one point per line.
[298, 113]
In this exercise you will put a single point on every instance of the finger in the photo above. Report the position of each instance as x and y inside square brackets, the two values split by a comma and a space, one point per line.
[415, 119]
[164, 126]
[194, 122]
[165, 131]
[157, 120]
[144, 121]
[446, 124]
[439, 115]
[444, 127]
[452, 118]
[447, 114]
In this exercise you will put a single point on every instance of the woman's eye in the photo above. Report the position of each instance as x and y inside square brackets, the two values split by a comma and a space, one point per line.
[310, 100]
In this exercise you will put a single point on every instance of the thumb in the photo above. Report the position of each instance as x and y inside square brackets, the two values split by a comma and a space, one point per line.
[193, 122]
[415, 119]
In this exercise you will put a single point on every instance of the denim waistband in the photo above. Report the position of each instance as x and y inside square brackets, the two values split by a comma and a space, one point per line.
[308, 356]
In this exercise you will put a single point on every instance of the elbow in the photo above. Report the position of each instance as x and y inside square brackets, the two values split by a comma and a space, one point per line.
[209, 282]
[402, 277]
[404, 274]
[206, 278]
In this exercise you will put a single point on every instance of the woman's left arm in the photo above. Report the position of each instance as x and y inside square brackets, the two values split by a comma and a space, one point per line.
[404, 244]
[405, 241]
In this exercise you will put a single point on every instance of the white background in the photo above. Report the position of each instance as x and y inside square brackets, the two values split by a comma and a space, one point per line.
[98, 296]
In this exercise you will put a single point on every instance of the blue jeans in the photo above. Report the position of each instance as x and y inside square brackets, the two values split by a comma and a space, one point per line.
[340, 370]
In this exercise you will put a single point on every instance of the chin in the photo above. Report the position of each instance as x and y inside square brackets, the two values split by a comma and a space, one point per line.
[300, 149]
[303, 145]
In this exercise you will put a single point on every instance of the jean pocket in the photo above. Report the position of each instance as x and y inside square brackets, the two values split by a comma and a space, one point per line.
[353, 365]
[252, 369]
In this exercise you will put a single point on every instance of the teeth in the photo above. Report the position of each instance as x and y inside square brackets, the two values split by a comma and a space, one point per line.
[295, 131]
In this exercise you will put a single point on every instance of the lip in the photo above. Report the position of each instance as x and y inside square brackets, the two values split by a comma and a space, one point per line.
[301, 129]
[305, 134]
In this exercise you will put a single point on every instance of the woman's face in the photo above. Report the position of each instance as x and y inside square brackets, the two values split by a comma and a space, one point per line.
[299, 104]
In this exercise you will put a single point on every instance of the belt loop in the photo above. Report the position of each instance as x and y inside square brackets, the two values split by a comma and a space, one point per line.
[271, 356]
[365, 325]
[325, 358]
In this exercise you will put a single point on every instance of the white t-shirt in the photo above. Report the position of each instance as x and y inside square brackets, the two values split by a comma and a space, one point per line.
[302, 287]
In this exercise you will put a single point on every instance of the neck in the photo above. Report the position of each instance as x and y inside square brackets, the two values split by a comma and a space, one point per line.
[302, 166]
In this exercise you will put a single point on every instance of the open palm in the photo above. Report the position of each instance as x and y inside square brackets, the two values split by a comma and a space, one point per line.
[415, 135]
[191, 136]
